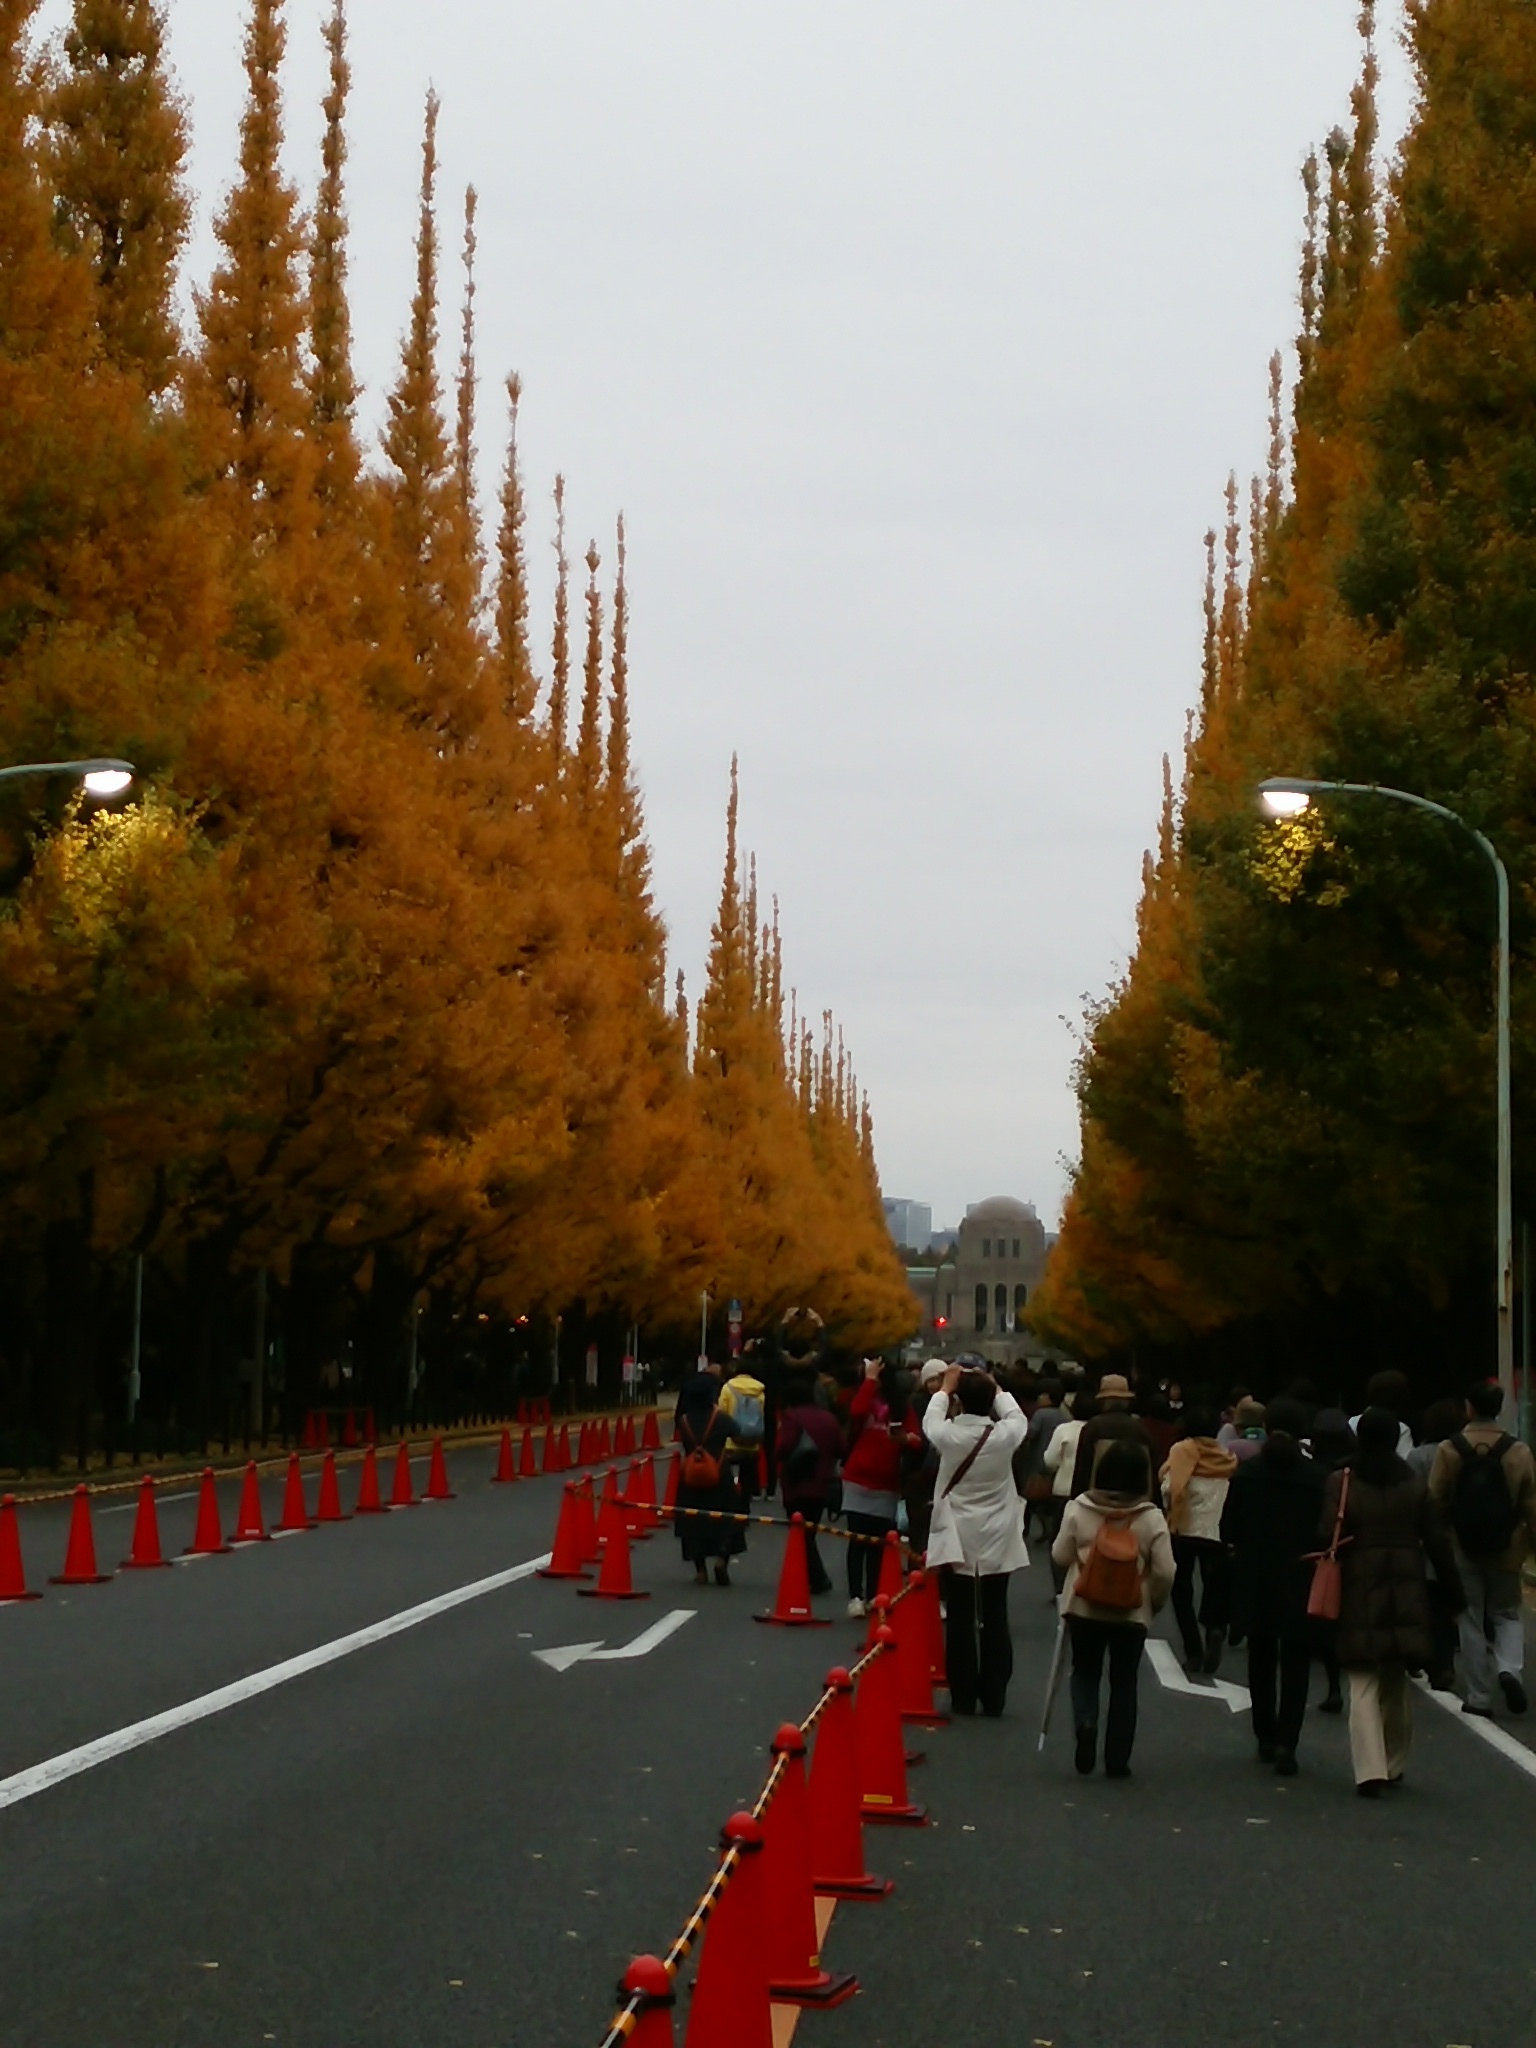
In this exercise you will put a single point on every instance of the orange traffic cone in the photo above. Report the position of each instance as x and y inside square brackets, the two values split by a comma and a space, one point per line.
[909, 1618]
[938, 1669]
[349, 1433]
[605, 1444]
[295, 1513]
[400, 1494]
[328, 1507]
[80, 1556]
[208, 1536]
[249, 1527]
[13, 1573]
[730, 1993]
[614, 1581]
[878, 1744]
[638, 1512]
[624, 1439]
[307, 1440]
[650, 1436]
[368, 1502]
[890, 1568]
[584, 1444]
[527, 1464]
[792, 1603]
[566, 1458]
[567, 1560]
[837, 1835]
[795, 1975]
[505, 1471]
[646, 1987]
[437, 1474]
[586, 1525]
[144, 1553]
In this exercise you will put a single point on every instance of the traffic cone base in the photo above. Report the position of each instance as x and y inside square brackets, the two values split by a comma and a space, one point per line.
[80, 1556]
[13, 1573]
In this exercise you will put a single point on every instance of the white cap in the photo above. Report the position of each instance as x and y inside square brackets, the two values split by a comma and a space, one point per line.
[933, 1372]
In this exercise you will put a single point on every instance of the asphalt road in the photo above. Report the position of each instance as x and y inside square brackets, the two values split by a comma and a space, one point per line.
[438, 1839]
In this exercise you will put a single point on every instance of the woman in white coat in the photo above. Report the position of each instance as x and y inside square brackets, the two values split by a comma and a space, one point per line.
[977, 1535]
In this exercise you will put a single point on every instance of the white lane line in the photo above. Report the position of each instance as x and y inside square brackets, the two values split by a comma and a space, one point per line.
[161, 1500]
[1489, 1731]
[1173, 1677]
[41, 1777]
[563, 1658]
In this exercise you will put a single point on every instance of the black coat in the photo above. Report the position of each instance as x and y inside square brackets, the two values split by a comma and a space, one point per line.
[1270, 1523]
[1389, 1530]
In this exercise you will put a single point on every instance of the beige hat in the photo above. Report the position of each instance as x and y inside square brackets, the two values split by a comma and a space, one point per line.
[1114, 1387]
[932, 1372]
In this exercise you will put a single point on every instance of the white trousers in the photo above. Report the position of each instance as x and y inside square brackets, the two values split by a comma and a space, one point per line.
[1380, 1722]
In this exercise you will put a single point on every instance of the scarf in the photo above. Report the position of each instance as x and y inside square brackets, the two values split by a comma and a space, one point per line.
[1193, 1457]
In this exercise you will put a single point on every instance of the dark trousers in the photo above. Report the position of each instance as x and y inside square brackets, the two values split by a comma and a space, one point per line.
[1277, 1718]
[1189, 1554]
[1122, 1642]
[978, 1650]
[864, 1558]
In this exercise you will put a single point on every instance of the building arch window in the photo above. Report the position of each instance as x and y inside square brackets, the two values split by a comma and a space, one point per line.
[981, 1304]
[1001, 1300]
[1020, 1296]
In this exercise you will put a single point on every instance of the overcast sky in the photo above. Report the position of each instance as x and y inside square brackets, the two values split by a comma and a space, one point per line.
[915, 342]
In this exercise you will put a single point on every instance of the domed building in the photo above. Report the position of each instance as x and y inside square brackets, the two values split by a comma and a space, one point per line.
[976, 1300]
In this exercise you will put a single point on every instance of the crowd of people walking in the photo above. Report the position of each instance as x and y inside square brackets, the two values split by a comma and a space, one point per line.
[1287, 1530]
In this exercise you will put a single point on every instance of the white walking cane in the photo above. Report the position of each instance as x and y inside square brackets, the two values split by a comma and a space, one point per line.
[1053, 1683]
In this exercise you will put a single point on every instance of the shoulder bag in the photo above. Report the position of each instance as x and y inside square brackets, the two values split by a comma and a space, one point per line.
[1325, 1599]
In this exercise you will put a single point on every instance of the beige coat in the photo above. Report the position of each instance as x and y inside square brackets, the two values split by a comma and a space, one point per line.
[1080, 1525]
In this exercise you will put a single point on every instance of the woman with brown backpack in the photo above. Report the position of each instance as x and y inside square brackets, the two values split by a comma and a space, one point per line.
[706, 1484]
[1116, 1551]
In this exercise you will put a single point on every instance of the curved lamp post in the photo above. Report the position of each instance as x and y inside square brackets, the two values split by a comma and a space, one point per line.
[1287, 796]
[104, 777]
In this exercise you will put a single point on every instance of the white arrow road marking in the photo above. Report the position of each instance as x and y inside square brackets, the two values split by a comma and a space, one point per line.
[594, 1653]
[25, 1784]
[1174, 1678]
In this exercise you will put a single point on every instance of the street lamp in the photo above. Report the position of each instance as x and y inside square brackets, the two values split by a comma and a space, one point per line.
[103, 778]
[1288, 796]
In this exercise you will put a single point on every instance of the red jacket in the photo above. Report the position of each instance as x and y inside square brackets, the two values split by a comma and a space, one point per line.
[874, 1454]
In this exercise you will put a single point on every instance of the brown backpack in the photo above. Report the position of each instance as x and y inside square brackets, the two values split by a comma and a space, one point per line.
[1110, 1576]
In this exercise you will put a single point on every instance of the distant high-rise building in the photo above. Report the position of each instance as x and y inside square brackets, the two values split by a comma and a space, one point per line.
[910, 1223]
